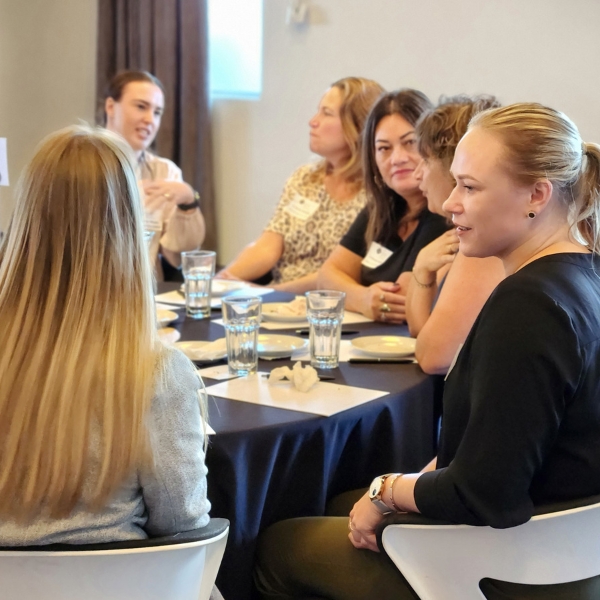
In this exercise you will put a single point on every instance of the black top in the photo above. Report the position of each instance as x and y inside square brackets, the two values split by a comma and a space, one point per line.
[404, 252]
[522, 404]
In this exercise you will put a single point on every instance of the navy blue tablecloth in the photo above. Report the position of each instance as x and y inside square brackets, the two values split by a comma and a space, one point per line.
[267, 464]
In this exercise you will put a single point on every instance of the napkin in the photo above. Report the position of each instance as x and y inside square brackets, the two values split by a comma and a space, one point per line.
[295, 308]
[303, 378]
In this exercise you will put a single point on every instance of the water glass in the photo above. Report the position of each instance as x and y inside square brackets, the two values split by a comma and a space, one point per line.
[325, 312]
[198, 270]
[241, 318]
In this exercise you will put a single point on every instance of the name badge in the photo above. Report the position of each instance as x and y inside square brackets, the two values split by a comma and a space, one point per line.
[376, 255]
[301, 208]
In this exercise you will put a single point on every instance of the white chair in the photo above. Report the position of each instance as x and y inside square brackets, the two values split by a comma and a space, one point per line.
[179, 567]
[447, 562]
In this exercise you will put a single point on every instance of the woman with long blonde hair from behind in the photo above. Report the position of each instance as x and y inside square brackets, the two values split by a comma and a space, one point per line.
[101, 431]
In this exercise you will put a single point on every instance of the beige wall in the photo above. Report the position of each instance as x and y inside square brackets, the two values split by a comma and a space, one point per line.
[47, 75]
[541, 50]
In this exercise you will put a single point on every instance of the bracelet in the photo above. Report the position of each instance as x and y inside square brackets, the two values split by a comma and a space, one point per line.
[394, 505]
[422, 285]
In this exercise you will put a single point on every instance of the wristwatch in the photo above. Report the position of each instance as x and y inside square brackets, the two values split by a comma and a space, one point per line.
[375, 491]
[190, 205]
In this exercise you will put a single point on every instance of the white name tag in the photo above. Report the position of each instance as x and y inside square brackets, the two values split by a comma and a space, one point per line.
[376, 256]
[301, 208]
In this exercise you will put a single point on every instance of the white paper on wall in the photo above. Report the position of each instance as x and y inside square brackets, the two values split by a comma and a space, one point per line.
[3, 163]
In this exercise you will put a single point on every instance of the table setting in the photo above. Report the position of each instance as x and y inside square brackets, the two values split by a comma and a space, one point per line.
[277, 451]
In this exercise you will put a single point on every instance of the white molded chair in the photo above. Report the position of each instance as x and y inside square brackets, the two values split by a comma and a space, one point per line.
[178, 567]
[445, 561]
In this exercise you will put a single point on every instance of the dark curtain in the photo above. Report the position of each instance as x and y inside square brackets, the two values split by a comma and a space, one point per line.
[169, 38]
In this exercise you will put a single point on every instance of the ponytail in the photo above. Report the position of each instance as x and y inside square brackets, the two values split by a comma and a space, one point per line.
[587, 221]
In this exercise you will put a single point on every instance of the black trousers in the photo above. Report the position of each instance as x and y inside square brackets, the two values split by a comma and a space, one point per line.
[311, 558]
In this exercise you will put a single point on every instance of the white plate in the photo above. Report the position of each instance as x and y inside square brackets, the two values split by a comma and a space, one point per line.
[168, 335]
[270, 312]
[385, 346]
[278, 346]
[193, 350]
[164, 317]
[221, 287]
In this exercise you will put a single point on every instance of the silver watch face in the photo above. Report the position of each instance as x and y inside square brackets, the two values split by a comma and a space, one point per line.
[375, 487]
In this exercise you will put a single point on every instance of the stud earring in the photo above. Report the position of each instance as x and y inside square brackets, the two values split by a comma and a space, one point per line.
[531, 214]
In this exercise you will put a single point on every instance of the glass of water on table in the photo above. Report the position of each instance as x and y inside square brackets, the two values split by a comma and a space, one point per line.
[241, 318]
[198, 268]
[325, 313]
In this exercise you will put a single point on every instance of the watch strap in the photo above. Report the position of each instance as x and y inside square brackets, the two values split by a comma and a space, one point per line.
[191, 205]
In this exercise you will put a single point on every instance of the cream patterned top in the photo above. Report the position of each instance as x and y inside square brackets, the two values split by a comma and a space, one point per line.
[311, 223]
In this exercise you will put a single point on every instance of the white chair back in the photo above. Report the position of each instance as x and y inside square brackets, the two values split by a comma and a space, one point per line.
[449, 561]
[185, 571]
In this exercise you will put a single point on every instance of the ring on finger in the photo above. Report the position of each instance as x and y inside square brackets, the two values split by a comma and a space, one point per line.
[382, 297]
[383, 317]
[351, 525]
[167, 196]
[384, 308]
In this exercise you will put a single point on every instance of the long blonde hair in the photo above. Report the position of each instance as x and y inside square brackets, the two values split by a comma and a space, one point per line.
[543, 143]
[79, 342]
[358, 96]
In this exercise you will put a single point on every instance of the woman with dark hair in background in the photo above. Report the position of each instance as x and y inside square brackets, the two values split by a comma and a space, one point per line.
[133, 106]
[319, 202]
[447, 289]
[373, 261]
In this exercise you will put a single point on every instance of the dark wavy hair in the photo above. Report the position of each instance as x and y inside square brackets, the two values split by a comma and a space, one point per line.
[410, 105]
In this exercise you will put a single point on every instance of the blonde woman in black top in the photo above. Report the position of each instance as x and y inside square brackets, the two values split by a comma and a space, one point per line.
[521, 412]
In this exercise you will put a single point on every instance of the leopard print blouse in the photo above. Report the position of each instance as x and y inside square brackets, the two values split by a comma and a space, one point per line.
[311, 223]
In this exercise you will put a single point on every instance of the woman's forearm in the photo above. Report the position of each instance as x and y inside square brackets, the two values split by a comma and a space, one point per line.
[331, 277]
[419, 302]
[258, 258]
[468, 285]
[399, 492]
[341, 271]
[298, 286]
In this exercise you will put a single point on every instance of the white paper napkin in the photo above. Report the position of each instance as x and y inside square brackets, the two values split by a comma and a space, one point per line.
[178, 299]
[220, 372]
[324, 398]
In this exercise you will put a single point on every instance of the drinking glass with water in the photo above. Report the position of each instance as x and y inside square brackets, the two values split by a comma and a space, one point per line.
[198, 270]
[241, 318]
[325, 313]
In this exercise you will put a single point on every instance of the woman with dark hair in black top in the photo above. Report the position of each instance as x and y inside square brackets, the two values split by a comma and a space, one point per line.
[373, 261]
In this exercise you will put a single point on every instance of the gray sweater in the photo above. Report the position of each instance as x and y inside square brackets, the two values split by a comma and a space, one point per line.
[168, 497]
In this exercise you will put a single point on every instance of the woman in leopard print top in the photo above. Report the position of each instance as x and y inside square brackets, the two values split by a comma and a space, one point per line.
[319, 202]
